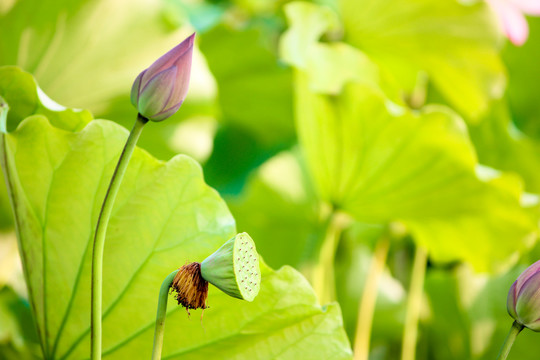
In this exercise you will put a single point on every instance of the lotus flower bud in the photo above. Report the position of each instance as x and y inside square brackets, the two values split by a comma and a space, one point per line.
[158, 92]
[233, 268]
[523, 302]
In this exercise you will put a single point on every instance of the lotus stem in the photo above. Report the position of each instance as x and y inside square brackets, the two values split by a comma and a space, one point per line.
[323, 274]
[514, 332]
[414, 304]
[366, 307]
[161, 315]
[99, 237]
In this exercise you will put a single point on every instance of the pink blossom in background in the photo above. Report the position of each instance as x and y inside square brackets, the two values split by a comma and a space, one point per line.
[511, 16]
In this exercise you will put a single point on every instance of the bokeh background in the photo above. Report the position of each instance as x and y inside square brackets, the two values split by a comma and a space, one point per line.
[241, 122]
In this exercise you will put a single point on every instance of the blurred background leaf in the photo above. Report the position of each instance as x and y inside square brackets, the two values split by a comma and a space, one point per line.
[381, 163]
[408, 37]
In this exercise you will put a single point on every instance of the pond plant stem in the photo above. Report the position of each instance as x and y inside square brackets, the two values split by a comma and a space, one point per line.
[323, 274]
[99, 237]
[509, 341]
[414, 304]
[161, 314]
[366, 306]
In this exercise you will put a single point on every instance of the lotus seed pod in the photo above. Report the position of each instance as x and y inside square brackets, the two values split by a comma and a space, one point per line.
[523, 302]
[234, 268]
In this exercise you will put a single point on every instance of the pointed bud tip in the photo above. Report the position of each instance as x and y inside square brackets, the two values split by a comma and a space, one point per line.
[183, 47]
[191, 38]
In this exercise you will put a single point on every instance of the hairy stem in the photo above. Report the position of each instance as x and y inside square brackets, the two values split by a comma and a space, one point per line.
[323, 274]
[161, 314]
[99, 237]
[514, 332]
[366, 307]
[414, 303]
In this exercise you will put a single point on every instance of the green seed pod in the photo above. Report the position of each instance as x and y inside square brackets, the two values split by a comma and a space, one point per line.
[234, 268]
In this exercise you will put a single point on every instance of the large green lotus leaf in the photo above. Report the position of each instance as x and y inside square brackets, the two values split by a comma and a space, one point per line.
[455, 44]
[24, 99]
[381, 162]
[355, 142]
[164, 216]
[84, 52]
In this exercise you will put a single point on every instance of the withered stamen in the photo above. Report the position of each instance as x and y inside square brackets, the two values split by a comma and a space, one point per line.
[191, 289]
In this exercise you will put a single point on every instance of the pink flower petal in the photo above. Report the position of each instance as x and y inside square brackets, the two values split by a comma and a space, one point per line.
[511, 20]
[530, 7]
[155, 94]
[528, 302]
[525, 275]
[511, 301]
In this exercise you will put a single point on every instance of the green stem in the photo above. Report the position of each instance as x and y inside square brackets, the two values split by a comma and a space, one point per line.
[99, 237]
[514, 331]
[366, 307]
[161, 314]
[323, 274]
[414, 304]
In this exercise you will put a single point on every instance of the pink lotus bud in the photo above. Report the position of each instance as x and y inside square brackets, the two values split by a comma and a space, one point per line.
[524, 298]
[158, 91]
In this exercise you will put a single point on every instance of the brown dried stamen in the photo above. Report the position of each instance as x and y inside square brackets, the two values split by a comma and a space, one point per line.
[191, 289]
